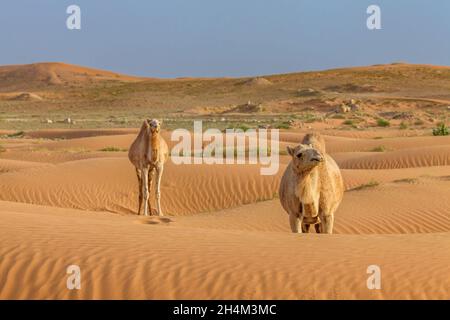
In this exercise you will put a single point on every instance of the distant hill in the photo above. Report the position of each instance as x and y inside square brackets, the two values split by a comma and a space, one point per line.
[381, 91]
[41, 75]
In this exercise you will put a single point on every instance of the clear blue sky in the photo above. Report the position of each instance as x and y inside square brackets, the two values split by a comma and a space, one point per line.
[172, 38]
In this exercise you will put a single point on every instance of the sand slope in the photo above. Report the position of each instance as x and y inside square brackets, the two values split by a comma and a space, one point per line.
[225, 235]
[130, 259]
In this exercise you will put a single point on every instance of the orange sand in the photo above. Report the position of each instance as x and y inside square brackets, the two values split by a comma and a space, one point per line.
[225, 235]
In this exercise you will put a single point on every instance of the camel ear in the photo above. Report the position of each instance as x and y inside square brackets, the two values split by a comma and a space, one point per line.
[290, 150]
[145, 125]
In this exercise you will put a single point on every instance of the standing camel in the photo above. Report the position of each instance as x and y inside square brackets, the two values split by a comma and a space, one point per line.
[148, 153]
[311, 188]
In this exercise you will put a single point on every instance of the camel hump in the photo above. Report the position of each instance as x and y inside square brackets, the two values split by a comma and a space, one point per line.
[316, 140]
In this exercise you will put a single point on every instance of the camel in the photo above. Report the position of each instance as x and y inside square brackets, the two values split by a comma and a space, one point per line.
[148, 153]
[312, 187]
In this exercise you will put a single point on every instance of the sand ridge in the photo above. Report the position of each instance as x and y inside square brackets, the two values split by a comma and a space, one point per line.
[64, 202]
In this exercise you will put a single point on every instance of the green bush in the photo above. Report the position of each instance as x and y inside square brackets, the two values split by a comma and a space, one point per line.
[379, 149]
[348, 122]
[283, 125]
[403, 126]
[383, 123]
[370, 184]
[17, 134]
[112, 149]
[441, 130]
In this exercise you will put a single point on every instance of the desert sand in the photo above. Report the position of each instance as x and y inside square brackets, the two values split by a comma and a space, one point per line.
[225, 235]
[68, 193]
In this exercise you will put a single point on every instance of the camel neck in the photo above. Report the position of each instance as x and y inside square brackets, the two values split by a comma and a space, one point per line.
[307, 185]
[154, 139]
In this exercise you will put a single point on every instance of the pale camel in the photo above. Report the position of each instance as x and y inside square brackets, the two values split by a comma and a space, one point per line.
[311, 188]
[148, 153]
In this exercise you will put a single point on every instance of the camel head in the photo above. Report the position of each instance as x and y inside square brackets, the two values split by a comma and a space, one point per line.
[154, 124]
[305, 156]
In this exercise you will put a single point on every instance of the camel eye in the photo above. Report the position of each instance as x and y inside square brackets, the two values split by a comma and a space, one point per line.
[299, 155]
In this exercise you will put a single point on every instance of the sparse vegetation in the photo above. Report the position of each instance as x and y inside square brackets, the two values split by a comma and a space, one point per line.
[311, 119]
[100, 102]
[441, 130]
[406, 180]
[113, 149]
[240, 126]
[283, 125]
[370, 184]
[383, 123]
[379, 149]
[18, 134]
[348, 122]
[403, 126]
[419, 122]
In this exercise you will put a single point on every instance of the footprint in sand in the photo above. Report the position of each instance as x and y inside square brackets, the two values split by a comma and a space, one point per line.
[155, 220]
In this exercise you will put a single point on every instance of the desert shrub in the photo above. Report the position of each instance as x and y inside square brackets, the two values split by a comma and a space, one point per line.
[441, 130]
[283, 125]
[418, 122]
[406, 180]
[311, 119]
[241, 126]
[379, 149]
[403, 126]
[348, 122]
[338, 116]
[383, 123]
[370, 184]
[17, 134]
[112, 149]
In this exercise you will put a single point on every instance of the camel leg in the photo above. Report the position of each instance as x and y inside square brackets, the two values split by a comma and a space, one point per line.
[149, 184]
[317, 227]
[305, 227]
[138, 173]
[159, 172]
[327, 224]
[294, 222]
[144, 186]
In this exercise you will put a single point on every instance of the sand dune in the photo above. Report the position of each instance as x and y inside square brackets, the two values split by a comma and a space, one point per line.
[336, 144]
[69, 196]
[110, 184]
[23, 77]
[418, 157]
[77, 133]
[105, 181]
[166, 261]
[65, 202]
[16, 165]
[403, 206]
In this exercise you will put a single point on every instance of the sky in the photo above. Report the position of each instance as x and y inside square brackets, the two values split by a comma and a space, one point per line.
[211, 38]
